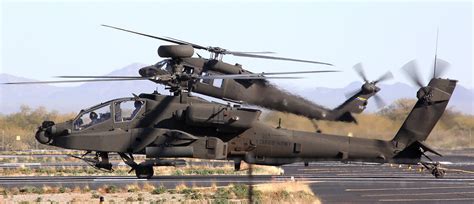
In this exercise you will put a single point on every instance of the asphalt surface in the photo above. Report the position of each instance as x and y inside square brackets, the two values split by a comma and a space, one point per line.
[332, 182]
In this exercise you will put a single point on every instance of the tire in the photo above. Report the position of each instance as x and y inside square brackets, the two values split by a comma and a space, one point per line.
[439, 173]
[144, 172]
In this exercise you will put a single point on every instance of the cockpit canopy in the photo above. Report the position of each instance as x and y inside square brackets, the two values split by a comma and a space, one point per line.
[167, 66]
[123, 110]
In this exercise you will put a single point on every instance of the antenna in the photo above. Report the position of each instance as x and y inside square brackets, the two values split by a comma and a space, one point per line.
[436, 53]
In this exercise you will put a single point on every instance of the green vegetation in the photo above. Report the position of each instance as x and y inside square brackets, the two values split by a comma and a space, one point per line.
[123, 171]
[293, 192]
[24, 124]
[159, 190]
[454, 130]
[240, 190]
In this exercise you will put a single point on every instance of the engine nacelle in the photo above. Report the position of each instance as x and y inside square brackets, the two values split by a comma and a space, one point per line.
[219, 66]
[226, 119]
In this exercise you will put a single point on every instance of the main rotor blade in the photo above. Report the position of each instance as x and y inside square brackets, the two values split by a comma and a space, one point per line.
[262, 75]
[221, 51]
[210, 49]
[71, 81]
[238, 76]
[360, 71]
[188, 43]
[179, 42]
[298, 72]
[411, 70]
[384, 77]
[263, 52]
[240, 54]
[101, 77]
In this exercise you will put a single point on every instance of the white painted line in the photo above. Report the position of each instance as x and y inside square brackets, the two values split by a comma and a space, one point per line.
[115, 180]
[426, 199]
[415, 188]
[20, 164]
[417, 194]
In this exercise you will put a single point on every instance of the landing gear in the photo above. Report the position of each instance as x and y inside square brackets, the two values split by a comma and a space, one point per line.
[435, 169]
[99, 161]
[144, 171]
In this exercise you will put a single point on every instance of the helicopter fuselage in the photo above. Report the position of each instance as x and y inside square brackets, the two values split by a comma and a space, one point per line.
[184, 126]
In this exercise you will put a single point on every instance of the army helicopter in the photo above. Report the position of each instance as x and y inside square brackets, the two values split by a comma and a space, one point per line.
[181, 71]
[185, 126]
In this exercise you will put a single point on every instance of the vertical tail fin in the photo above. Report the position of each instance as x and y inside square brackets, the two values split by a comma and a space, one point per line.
[432, 102]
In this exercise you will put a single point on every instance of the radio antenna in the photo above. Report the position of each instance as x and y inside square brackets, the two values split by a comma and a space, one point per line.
[436, 52]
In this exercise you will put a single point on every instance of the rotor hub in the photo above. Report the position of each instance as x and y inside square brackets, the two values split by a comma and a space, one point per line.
[424, 93]
[370, 87]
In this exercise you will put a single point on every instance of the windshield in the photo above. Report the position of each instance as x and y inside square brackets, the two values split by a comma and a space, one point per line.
[164, 65]
[92, 117]
[127, 110]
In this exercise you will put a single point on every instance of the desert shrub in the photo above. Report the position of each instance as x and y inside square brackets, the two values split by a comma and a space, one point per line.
[221, 196]
[240, 190]
[159, 190]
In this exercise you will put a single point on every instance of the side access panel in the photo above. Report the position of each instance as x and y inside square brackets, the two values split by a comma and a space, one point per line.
[116, 140]
[203, 148]
[210, 148]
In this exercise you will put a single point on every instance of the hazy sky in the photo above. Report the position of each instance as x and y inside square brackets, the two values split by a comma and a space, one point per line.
[41, 39]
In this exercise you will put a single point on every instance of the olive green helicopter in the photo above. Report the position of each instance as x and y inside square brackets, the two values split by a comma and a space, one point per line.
[167, 127]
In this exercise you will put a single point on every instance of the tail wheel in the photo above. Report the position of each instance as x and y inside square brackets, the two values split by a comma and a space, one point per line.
[144, 172]
[438, 173]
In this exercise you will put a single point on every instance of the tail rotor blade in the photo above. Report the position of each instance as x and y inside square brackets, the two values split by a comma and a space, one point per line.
[440, 68]
[385, 77]
[411, 70]
[379, 102]
[360, 71]
[352, 93]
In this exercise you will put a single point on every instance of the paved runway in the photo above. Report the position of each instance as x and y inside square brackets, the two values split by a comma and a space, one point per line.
[381, 183]
[333, 182]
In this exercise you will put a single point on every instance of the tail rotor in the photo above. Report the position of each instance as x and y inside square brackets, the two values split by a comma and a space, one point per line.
[369, 88]
[411, 70]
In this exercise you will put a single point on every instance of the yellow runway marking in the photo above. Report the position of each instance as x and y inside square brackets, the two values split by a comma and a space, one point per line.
[460, 170]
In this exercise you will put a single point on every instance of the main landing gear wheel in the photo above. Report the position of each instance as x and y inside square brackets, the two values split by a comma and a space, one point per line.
[144, 172]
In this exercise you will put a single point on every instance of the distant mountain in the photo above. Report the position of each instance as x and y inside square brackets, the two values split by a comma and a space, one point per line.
[72, 99]
[12, 97]
[462, 99]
